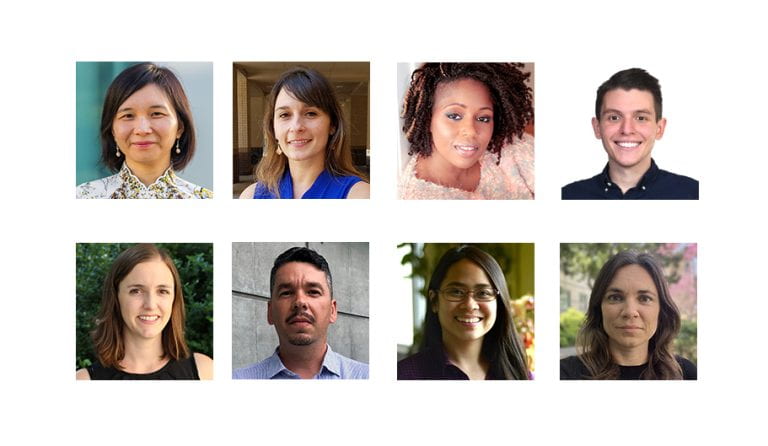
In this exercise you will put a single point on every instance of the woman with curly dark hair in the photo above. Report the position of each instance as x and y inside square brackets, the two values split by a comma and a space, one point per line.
[630, 325]
[465, 125]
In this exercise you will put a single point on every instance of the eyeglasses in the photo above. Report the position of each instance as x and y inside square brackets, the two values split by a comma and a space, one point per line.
[458, 294]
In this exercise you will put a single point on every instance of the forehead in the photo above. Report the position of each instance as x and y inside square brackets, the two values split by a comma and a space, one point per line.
[463, 91]
[148, 96]
[286, 99]
[628, 101]
[633, 277]
[153, 271]
[466, 272]
[298, 273]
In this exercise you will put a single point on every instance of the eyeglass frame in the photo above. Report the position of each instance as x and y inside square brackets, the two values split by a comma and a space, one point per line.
[469, 292]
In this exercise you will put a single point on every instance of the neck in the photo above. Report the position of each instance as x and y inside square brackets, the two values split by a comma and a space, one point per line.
[303, 360]
[147, 173]
[304, 173]
[629, 355]
[467, 356]
[142, 355]
[627, 177]
[436, 169]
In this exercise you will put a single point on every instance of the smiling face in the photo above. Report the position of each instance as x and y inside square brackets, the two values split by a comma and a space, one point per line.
[146, 298]
[302, 130]
[628, 128]
[146, 127]
[301, 307]
[462, 122]
[630, 309]
[467, 320]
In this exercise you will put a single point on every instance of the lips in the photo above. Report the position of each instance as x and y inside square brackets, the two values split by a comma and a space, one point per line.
[142, 144]
[466, 150]
[149, 319]
[627, 144]
[299, 142]
[303, 318]
[469, 321]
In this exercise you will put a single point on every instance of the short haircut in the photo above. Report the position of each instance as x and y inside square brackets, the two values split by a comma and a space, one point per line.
[630, 79]
[108, 335]
[128, 82]
[512, 101]
[303, 255]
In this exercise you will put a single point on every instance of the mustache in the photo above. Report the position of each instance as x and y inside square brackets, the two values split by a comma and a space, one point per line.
[300, 314]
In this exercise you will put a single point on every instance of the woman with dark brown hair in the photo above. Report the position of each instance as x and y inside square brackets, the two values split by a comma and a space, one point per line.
[469, 333]
[630, 325]
[140, 327]
[147, 134]
[307, 151]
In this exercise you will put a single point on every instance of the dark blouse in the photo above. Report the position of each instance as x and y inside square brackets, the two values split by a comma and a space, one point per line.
[430, 364]
[572, 368]
[182, 369]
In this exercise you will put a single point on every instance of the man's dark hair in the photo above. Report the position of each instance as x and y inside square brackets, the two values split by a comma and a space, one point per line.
[631, 79]
[304, 255]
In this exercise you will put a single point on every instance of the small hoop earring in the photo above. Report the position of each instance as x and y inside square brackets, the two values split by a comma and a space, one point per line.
[178, 150]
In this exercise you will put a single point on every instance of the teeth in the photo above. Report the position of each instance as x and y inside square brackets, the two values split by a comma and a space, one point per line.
[149, 318]
[628, 145]
[468, 320]
[466, 148]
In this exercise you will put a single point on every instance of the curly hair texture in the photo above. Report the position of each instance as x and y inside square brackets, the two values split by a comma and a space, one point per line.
[592, 340]
[512, 101]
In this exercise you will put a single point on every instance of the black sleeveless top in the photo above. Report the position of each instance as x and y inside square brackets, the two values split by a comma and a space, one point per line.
[181, 369]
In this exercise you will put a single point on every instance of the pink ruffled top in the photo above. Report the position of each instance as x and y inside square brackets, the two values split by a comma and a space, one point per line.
[511, 179]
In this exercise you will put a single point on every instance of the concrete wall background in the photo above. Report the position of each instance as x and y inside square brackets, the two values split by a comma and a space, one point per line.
[253, 339]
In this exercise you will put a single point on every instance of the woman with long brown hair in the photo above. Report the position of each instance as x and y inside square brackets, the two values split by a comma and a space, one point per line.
[307, 151]
[140, 327]
[630, 325]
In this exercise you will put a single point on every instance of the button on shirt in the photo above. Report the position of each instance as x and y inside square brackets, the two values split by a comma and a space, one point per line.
[335, 366]
[656, 184]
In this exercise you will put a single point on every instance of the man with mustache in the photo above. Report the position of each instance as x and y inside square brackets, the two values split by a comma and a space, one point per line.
[628, 121]
[301, 308]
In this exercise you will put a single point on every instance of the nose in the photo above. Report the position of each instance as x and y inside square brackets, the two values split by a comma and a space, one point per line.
[299, 301]
[468, 128]
[150, 299]
[627, 126]
[629, 309]
[469, 302]
[142, 126]
[297, 124]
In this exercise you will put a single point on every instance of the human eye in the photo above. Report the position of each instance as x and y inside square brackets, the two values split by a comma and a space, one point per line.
[645, 298]
[453, 116]
[455, 292]
[613, 298]
[134, 291]
[283, 115]
[485, 294]
[315, 292]
[125, 116]
[612, 117]
[485, 119]
[158, 114]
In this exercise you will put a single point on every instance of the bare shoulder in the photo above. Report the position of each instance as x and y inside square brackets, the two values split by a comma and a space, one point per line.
[361, 189]
[204, 366]
[248, 192]
[83, 374]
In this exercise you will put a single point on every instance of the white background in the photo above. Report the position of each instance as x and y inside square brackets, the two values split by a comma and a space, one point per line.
[710, 59]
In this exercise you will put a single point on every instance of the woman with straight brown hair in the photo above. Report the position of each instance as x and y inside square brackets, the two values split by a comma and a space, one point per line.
[630, 326]
[307, 151]
[140, 327]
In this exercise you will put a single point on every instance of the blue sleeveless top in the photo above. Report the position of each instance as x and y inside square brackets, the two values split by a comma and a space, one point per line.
[325, 186]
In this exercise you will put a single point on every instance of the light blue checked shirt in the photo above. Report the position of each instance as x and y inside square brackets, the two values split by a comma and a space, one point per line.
[335, 366]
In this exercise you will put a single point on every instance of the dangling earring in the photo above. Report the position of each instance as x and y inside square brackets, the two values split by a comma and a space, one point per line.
[178, 150]
[117, 150]
[278, 150]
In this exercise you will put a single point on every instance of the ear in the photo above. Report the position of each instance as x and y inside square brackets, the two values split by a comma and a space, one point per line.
[180, 131]
[596, 128]
[433, 301]
[269, 313]
[334, 314]
[660, 126]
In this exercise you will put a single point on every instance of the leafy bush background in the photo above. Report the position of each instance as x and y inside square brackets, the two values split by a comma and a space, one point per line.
[195, 264]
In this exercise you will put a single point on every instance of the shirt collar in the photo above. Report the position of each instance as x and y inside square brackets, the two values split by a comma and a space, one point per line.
[331, 364]
[646, 180]
[163, 187]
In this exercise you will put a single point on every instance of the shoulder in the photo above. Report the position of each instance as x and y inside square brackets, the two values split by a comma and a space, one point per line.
[680, 186]
[417, 366]
[204, 365]
[82, 374]
[572, 368]
[689, 368]
[101, 188]
[360, 189]
[581, 190]
[247, 194]
[256, 370]
[352, 369]
[192, 190]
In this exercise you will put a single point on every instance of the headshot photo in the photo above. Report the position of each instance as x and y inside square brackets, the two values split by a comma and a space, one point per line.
[300, 311]
[628, 311]
[301, 130]
[628, 121]
[144, 311]
[466, 131]
[471, 312]
[141, 125]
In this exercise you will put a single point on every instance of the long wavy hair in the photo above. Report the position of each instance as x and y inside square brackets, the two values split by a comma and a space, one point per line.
[501, 345]
[108, 335]
[592, 340]
[312, 88]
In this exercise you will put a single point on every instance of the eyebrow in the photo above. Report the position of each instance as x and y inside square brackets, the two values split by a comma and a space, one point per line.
[619, 112]
[141, 285]
[619, 290]
[289, 285]
[457, 283]
[463, 106]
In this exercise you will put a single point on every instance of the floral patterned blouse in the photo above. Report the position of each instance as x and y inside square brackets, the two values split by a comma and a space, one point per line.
[511, 179]
[125, 184]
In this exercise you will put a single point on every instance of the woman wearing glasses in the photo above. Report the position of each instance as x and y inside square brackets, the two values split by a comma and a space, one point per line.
[468, 328]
